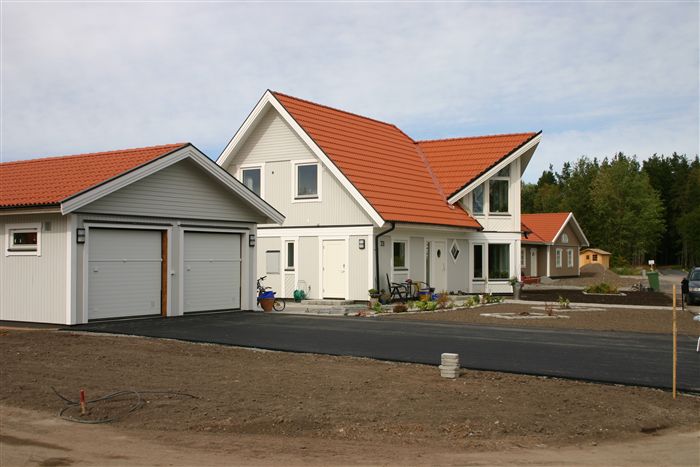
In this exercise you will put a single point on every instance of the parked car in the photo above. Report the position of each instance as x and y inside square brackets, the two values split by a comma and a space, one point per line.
[693, 294]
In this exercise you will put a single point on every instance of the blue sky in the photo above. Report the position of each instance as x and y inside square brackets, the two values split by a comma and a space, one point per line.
[596, 78]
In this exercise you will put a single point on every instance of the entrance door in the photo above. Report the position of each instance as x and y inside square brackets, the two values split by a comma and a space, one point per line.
[124, 273]
[533, 262]
[334, 268]
[212, 271]
[438, 265]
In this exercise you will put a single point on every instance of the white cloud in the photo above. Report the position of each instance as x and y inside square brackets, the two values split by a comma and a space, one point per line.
[596, 78]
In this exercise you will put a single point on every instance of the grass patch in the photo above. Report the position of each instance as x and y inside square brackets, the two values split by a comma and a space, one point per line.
[603, 287]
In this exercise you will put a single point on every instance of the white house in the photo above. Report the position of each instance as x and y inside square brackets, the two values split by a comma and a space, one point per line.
[150, 231]
[363, 200]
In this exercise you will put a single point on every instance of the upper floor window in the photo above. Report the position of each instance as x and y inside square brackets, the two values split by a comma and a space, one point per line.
[478, 200]
[564, 238]
[306, 181]
[23, 239]
[252, 179]
[498, 191]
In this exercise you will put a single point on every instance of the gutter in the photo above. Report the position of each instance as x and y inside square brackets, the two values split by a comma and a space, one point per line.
[376, 254]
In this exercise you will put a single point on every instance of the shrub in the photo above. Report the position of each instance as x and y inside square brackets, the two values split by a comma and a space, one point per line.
[431, 306]
[564, 303]
[603, 287]
[442, 300]
[421, 305]
[410, 305]
[377, 307]
[400, 308]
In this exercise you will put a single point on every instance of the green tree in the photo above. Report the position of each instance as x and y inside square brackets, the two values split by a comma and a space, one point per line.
[629, 211]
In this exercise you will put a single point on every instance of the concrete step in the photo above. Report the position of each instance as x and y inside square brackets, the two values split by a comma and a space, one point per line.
[308, 308]
[325, 302]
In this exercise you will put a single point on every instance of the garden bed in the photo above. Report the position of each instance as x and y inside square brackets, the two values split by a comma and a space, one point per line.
[579, 296]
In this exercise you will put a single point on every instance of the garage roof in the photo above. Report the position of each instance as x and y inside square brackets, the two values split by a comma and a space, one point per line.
[50, 180]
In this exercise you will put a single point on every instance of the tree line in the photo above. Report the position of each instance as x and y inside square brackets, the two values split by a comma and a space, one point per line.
[637, 211]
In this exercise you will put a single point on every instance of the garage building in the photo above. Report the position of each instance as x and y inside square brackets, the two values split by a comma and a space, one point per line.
[157, 231]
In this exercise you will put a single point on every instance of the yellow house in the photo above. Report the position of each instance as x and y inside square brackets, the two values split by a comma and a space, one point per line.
[595, 256]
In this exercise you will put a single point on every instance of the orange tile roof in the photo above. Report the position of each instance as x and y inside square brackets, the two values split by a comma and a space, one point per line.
[458, 161]
[403, 180]
[48, 181]
[543, 226]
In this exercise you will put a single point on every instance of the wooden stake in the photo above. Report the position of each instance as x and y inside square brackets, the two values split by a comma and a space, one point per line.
[675, 346]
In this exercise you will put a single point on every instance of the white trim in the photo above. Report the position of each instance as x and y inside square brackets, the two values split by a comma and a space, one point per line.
[26, 211]
[495, 169]
[261, 167]
[27, 227]
[314, 231]
[406, 269]
[523, 257]
[569, 256]
[131, 226]
[369, 247]
[193, 154]
[295, 271]
[71, 269]
[267, 100]
[549, 261]
[319, 171]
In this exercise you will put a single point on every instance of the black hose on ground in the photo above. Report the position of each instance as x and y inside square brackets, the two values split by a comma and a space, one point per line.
[115, 395]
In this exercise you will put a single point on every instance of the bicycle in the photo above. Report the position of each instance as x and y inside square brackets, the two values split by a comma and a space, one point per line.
[278, 304]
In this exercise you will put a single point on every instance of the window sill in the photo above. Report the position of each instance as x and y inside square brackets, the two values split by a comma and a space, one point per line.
[289, 270]
[307, 200]
[500, 214]
[400, 269]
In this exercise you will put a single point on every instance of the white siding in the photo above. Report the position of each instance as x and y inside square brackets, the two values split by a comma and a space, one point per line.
[275, 145]
[34, 288]
[358, 268]
[457, 270]
[273, 280]
[182, 190]
[308, 266]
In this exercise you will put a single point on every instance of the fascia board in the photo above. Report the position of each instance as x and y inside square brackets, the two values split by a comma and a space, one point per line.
[489, 173]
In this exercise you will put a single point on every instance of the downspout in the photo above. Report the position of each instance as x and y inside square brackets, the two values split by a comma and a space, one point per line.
[376, 254]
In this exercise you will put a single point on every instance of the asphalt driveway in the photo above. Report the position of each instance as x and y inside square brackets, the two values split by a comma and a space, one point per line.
[611, 357]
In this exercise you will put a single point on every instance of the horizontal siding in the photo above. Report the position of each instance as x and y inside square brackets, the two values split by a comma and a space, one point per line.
[33, 288]
[276, 145]
[182, 190]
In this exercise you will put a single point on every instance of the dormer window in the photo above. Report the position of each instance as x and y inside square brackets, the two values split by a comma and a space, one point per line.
[498, 191]
[478, 200]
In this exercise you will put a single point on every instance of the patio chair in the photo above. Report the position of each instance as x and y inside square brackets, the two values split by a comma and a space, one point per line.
[396, 290]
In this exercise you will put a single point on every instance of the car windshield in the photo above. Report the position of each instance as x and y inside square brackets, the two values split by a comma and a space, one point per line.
[695, 275]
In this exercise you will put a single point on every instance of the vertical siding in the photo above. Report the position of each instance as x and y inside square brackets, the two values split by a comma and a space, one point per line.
[276, 145]
[33, 288]
[385, 253]
[358, 268]
[182, 190]
[417, 264]
[272, 280]
[308, 265]
[457, 270]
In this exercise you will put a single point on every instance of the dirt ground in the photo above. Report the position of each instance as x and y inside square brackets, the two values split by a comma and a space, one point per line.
[595, 274]
[604, 319]
[298, 401]
[577, 296]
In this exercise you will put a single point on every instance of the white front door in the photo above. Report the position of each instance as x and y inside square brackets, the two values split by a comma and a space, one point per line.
[438, 265]
[533, 262]
[212, 271]
[334, 265]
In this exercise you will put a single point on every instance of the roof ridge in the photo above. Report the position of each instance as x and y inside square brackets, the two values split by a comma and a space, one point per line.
[340, 110]
[475, 137]
[101, 153]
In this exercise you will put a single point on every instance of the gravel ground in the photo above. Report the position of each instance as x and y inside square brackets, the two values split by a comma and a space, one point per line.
[288, 397]
[605, 319]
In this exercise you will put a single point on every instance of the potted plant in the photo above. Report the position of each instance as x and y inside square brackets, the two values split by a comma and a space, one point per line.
[517, 286]
[373, 297]
[266, 299]
[384, 297]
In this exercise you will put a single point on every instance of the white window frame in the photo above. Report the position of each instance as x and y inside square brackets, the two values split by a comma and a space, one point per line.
[569, 257]
[405, 255]
[558, 258]
[26, 227]
[268, 263]
[523, 257]
[286, 267]
[484, 262]
[459, 251]
[319, 171]
[260, 166]
[564, 238]
[484, 200]
[487, 193]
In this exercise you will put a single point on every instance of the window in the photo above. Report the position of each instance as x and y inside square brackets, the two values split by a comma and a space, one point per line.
[588, 256]
[504, 172]
[523, 257]
[558, 257]
[23, 239]
[499, 261]
[478, 200]
[252, 179]
[306, 181]
[399, 255]
[564, 238]
[290, 256]
[272, 258]
[498, 196]
[454, 251]
[569, 258]
[595, 257]
[478, 261]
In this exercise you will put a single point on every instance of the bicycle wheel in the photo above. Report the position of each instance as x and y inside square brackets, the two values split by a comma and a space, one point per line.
[279, 304]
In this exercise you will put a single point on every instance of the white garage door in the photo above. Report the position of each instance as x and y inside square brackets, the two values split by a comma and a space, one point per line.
[124, 273]
[212, 271]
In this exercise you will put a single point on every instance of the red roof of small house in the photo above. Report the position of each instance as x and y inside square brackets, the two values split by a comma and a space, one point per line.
[542, 227]
[403, 180]
[51, 180]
